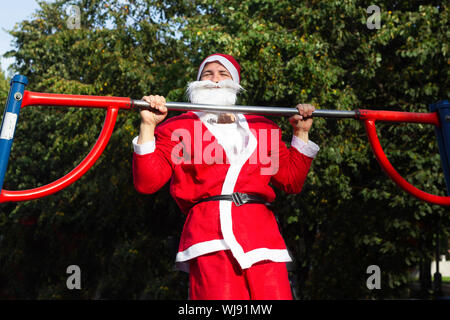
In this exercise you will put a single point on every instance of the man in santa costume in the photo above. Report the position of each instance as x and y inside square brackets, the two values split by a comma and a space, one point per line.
[220, 166]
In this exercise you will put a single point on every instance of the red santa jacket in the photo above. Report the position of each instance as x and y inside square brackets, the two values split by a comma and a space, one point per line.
[250, 231]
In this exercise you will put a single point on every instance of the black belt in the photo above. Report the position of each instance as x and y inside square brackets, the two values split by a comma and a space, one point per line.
[238, 198]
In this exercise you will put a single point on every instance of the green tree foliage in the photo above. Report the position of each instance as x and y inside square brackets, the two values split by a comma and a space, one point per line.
[349, 215]
[4, 87]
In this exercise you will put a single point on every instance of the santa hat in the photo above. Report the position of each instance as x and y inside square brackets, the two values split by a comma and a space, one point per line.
[227, 61]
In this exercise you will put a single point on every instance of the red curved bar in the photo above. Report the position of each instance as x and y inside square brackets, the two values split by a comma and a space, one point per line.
[393, 174]
[69, 100]
[73, 175]
[399, 116]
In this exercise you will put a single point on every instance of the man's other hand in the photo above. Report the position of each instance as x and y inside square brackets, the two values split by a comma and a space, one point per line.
[159, 112]
[302, 122]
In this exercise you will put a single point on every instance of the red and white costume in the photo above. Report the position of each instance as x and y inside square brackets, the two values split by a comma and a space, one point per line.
[250, 232]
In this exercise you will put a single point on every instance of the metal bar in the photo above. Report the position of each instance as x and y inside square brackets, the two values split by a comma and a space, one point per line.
[262, 110]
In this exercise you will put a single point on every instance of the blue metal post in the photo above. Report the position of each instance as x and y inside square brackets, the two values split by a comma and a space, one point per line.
[443, 137]
[9, 121]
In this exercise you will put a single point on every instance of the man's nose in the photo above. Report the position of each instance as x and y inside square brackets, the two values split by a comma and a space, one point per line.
[216, 78]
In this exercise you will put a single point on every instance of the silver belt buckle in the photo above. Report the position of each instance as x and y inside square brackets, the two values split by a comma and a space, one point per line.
[237, 199]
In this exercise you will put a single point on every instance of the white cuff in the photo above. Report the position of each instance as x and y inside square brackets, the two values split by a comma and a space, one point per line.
[144, 148]
[309, 149]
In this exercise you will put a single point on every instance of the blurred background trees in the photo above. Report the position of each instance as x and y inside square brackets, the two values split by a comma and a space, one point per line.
[349, 215]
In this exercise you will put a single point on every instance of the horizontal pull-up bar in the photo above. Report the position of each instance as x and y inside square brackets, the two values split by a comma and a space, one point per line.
[19, 97]
[261, 110]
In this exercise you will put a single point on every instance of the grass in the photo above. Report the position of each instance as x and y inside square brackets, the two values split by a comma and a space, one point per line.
[444, 279]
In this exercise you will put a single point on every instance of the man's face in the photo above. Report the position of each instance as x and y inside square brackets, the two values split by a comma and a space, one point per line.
[215, 72]
[216, 86]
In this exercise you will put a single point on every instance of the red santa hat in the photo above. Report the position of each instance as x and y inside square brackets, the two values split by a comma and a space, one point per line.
[227, 61]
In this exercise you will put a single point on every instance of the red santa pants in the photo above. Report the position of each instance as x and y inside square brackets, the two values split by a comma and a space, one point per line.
[218, 276]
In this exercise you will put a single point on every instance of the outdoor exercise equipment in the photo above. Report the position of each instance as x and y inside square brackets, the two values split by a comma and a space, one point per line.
[19, 98]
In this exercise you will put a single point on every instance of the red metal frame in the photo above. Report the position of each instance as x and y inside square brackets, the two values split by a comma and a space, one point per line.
[112, 104]
[369, 117]
[398, 116]
[69, 100]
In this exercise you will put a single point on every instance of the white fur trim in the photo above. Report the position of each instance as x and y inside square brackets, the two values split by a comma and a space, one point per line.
[201, 248]
[144, 148]
[276, 255]
[309, 149]
[225, 62]
[226, 221]
[236, 164]
[198, 249]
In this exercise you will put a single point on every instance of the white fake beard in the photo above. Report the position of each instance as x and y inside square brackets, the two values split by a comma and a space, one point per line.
[208, 92]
